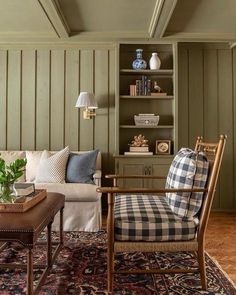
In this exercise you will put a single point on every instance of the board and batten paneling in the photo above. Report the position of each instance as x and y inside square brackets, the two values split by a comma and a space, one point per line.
[206, 95]
[38, 91]
[3, 98]
[28, 100]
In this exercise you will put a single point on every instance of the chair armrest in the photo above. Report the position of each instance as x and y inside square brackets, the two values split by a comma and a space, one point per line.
[97, 177]
[120, 190]
[113, 176]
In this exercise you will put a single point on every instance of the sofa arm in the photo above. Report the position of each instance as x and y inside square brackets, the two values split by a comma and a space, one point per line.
[97, 177]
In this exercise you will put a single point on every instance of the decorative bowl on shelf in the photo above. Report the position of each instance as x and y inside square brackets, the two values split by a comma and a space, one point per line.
[146, 120]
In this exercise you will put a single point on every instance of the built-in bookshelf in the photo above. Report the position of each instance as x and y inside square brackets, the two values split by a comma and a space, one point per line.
[145, 100]
[131, 102]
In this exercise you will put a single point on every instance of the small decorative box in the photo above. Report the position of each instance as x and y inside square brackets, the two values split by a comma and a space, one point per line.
[146, 120]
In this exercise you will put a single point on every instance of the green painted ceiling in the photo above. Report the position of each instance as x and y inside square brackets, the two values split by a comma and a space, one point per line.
[101, 20]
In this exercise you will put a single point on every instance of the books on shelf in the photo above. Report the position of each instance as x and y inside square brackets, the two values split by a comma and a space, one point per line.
[143, 86]
[138, 153]
[24, 189]
[132, 90]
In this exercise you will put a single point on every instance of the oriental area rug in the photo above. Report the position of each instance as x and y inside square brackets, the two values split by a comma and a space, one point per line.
[80, 268]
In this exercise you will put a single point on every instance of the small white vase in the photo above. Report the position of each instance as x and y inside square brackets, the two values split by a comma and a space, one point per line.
[154, 62]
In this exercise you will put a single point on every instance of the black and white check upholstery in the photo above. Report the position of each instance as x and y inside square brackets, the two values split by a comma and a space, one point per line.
[188, 170]
[149, 218]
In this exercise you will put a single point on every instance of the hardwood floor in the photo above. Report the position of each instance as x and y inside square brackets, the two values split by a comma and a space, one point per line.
[220, 241]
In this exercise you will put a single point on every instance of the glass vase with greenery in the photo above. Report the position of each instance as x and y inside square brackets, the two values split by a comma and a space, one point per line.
[8, 176]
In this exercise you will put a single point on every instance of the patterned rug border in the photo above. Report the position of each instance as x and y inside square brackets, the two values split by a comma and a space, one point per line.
[221, 269]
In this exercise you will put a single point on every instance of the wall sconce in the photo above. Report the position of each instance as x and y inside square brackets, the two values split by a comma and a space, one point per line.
[86, 100]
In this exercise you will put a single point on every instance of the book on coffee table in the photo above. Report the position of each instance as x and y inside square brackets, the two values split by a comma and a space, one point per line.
[24, 189]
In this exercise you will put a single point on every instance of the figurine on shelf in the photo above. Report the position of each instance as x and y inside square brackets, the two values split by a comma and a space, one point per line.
[157, 91]
[156, 87]
[139, 140]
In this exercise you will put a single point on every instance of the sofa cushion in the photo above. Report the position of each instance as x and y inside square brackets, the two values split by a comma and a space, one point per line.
[10, 156]
[52, 167]
[33, 159]
[81, 168]
[188, 170]
[78, 192]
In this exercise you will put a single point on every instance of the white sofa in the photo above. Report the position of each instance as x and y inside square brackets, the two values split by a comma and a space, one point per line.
[82, 210]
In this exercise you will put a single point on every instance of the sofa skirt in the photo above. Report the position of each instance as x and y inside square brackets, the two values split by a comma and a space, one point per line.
[80, 216]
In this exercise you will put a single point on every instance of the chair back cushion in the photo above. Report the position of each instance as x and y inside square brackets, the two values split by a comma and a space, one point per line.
[188, 170]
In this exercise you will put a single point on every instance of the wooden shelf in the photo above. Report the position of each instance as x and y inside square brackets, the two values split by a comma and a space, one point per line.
[147, 72]
[148, 97]
[147, 127]
[165, 156]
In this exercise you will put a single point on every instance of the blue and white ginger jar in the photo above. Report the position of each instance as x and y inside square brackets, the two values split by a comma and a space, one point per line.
[139, 63]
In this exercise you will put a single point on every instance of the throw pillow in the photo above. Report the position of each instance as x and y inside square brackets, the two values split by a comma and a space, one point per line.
[52, 167]
[80, 168]
[189, 169]
[33, 160]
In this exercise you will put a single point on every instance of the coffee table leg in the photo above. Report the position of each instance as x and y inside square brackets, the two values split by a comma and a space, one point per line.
[30, 271]
[49, 244]
[61, 226]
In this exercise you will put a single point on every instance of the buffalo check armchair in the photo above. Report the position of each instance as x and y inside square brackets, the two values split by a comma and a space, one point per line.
[171, 219]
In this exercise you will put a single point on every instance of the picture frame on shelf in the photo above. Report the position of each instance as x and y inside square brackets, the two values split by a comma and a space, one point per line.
[163, 147]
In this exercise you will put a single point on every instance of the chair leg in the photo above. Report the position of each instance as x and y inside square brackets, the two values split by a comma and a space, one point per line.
[202, 268]
[110, 270]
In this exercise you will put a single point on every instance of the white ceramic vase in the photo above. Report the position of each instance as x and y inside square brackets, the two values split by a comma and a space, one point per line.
[154, 62]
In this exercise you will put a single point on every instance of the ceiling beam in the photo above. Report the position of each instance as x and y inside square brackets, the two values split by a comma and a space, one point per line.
[232, 44]
[55, 16]
[161, 16]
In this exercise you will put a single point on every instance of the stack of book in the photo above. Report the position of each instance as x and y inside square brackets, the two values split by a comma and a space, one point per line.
[138, 150]
[132, 90]
[23, 189]
[141, 87]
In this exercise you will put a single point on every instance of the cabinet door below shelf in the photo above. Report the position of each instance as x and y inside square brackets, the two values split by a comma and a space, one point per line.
[159, 170]
[130, 168]
[142, 166]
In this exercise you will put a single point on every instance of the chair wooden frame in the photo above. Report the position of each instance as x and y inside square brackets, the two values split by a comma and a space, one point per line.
[197, 245]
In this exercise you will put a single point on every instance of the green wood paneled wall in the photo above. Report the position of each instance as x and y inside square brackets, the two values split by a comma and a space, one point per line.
[207, 106]
[38, 92]
[39, 88]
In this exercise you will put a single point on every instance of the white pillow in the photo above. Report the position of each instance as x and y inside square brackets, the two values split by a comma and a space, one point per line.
[33, 160]
[52, 167]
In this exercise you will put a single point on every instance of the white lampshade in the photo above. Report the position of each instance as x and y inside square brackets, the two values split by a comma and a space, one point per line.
[86, 100]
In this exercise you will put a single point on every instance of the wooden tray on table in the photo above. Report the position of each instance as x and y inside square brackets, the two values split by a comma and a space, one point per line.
[24, 203]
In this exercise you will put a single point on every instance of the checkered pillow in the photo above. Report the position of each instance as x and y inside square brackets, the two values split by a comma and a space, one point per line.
[189, 169]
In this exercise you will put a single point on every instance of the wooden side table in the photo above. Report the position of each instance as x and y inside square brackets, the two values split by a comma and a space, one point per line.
[26, 227]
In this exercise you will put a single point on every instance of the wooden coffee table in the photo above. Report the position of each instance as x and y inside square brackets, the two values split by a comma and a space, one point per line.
[26, 227]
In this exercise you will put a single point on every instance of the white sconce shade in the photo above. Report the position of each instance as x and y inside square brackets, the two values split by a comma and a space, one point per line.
[86, 100]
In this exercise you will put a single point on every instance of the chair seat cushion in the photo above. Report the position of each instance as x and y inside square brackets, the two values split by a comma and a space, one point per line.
[149, 218]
